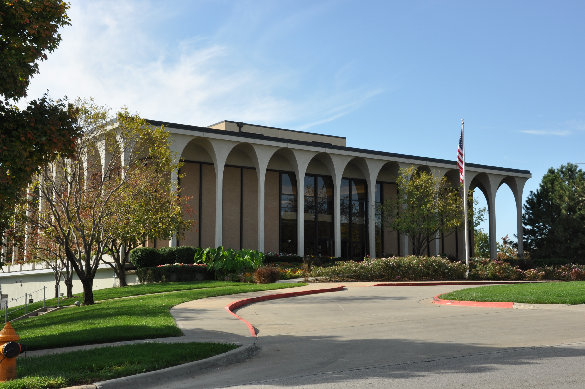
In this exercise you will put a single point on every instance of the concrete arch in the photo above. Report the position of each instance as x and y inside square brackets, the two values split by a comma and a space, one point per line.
[240, 198]
[198, 178]
[516, 185]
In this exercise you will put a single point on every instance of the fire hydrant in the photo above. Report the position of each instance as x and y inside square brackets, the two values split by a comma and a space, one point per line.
[9, 350]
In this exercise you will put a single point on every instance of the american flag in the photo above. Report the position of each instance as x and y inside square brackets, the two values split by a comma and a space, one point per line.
[460, 161]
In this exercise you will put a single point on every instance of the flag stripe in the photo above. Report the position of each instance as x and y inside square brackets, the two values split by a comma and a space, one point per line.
[460, 162]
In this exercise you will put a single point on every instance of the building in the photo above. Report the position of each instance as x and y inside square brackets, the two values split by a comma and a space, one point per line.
[243, 182]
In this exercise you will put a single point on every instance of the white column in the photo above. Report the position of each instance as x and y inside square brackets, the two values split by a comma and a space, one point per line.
[519, 229]
[174, 187]
[337, 215]
[302, 159]
[3, 248]
[27, 226]
[371, 216]
[105, 156]
[404, 240]
[301, 213]
[374, 167]
[14, 247]
[339, 164]
[220, 152]
[261, 184]
[492, 225]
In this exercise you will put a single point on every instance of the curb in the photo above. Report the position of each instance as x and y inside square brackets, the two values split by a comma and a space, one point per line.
[241, 303]
[486, 304]
[159, 378]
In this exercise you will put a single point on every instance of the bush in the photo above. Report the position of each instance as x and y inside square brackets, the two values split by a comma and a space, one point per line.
[145, 257]
[486, 269]
[393, 269]
[276, 257]
[229, 262]
[149, 257]
[266, 275]
[173, 273]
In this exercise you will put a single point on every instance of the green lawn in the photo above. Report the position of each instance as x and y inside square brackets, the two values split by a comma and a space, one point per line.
[88, 366]
[140, 317]
[538, 293]
[127, 291]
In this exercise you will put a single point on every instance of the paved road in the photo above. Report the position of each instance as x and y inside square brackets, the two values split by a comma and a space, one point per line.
[385, 337]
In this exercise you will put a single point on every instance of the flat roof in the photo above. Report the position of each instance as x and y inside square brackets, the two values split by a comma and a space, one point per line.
[249, 135]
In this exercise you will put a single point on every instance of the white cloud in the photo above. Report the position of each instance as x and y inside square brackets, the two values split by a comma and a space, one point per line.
[547, 132]
[114, 52]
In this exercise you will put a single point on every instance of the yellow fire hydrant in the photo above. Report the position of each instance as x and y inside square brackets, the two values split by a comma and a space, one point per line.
[9, 350]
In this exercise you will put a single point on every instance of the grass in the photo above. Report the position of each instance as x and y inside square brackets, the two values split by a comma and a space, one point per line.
[87, 366]
[127, 291]
[112, 320]
[540, 293]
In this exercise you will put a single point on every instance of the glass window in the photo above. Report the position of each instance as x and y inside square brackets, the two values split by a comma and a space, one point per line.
[288, 213]
[354, 218]
[318, 215]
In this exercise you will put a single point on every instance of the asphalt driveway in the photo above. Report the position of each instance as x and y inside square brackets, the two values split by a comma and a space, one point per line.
[372, 336]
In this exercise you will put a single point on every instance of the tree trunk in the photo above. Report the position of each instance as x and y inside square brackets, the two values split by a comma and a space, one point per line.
[69, 285]
[57, 287]
[121, 274]
[87, 283]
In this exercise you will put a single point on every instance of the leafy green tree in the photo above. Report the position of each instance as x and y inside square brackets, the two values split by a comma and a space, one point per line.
[423, 207]
[83, 197]
[481, 243]
[32, 137]
[146, 206]
[554, 215]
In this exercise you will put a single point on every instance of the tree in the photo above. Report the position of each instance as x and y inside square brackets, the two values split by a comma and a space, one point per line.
[45, 248]
[146, 206]
[82, 195]
[30, 138]
[423, 207]
[554, 215]
[481, 244]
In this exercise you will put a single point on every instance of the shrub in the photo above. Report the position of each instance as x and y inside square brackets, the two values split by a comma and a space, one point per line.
[229, 262]
[145, 257]
[150, 257]
[172, 273]
[392, 269]
[271, 257]
[266, 275]
[167, 255]
[486, 269]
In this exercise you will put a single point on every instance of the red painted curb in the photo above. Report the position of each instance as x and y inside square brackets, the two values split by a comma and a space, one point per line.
[484, 304]
[241, 303]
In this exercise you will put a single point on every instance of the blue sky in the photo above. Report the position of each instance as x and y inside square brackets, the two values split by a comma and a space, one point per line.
[388, 75]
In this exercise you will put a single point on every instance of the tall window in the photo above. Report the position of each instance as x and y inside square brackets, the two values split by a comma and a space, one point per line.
[378, 218]
[354, 218]
[318, 215]
[288, 213]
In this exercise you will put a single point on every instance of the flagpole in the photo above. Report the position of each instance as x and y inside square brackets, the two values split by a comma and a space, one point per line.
[465, 234]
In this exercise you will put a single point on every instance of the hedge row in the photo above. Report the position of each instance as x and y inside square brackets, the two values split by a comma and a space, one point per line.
[148, 257]
[392, 269]
[173, 273]
[435, 268]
